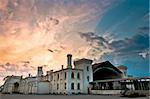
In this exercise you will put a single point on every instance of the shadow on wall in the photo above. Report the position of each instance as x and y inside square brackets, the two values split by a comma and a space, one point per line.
[16, 88]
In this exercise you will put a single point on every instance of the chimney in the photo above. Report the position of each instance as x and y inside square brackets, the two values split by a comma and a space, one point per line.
[69, 60]
[29, 75]
[51, 72]
[62, 67]
[21, 76]
[40, 71]
[47, 72]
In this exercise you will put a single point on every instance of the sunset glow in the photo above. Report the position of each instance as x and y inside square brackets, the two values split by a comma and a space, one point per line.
[42, 32]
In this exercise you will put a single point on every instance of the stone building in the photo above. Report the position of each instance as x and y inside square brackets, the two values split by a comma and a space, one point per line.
[84, 78]
[72, 80]
[11, 84]
[65, 81]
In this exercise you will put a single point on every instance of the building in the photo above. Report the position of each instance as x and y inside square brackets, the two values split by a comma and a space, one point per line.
[11, 84]
[84, 78]
[72, 80]
[109, 79]
[65, 81]
[105, 70]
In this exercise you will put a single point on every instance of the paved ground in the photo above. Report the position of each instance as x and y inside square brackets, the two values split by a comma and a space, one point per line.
[16, 96]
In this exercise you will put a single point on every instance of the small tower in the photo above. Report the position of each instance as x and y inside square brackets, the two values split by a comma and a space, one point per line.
[69, 66]
[69, 61]
[40, 71]
[86, 66]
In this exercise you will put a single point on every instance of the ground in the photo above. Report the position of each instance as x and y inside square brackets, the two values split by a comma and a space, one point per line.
[17, 96]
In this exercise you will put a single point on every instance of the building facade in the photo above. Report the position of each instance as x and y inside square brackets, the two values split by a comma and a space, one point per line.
[65, 81]
[109, 79]
[84, 78]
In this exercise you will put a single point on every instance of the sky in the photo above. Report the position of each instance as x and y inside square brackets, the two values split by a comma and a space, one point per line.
[42, 32]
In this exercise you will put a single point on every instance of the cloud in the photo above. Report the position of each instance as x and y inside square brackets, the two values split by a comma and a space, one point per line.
[29, 27]
[117, 50]
[144, 29]
[35, 25]
[92, 37]
[98, 44]
[22, 68]
[132, 52]
[135, 44]
[145, 54]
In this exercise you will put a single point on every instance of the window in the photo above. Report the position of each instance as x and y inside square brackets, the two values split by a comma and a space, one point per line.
[72, 86]
[78, 75]
[78, 86]
[88, 78]
[72, 75]
[57, 76]
[65, 85]
[65, 75]
[57, 86]
[87, 68]
[52, 77]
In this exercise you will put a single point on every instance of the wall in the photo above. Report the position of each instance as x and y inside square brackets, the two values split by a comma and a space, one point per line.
[60, 82]
[9, 84]
[86, 73]
[106, 92]
[43, 88]
[75, 80]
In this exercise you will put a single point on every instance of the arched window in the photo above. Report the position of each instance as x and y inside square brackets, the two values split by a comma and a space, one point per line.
[87, 68]
[72, 75]
[78, 86]
[65, 85]
[57, 86]
[72, 86]
[78, 75]
[57, 76]
[16, 87]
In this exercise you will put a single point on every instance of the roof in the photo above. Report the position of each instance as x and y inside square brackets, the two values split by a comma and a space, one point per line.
[15, 77]
[30, 77]
[67, 69]
[105, 64]
[121, 79]
[83, 60]
[122, 67]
